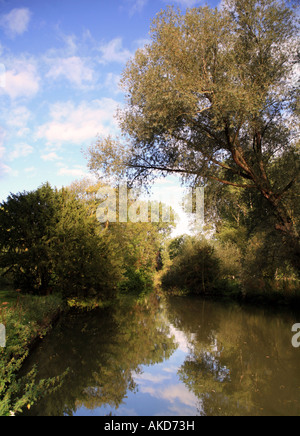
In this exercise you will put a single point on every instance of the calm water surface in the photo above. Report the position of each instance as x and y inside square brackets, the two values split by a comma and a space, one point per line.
[173, 357]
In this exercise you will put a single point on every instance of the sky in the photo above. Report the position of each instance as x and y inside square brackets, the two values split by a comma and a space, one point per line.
[60, 66]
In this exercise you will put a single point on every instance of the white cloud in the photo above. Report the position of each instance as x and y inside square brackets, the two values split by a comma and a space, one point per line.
[21, 80]
[16, 22]
[30, 170]
[74, 69]
[174, 394]
[79, 172]
[78, 124]
[17, 120]
[114, 52]
[20, 150]
[50, 157]
[180, 338]
[172, 369]
[133, 6]
[4, 170]
[18, 117]
[153, 378]
[70, 42]
[2, 148]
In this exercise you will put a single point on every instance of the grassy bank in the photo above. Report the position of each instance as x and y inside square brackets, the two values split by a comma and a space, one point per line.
[27, 319]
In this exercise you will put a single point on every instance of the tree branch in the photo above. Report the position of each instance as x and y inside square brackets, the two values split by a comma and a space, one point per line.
[194, 173]
[287, 188]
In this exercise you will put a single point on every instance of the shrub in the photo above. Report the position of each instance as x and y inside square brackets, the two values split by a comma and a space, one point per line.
[196, 268]
[136, 281]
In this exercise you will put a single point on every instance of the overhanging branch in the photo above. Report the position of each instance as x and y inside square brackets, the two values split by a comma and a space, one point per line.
[193, 173]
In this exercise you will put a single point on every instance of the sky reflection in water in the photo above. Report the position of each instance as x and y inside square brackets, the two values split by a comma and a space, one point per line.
[160, 391]
[172, 357]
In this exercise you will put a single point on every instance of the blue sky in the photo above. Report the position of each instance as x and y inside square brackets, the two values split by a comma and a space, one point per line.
[60, 63]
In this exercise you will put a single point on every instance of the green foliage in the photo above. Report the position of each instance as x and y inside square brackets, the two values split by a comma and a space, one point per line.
[17, 393]
[213, 96]
[230, 258]
[196, 269]
[136, 247]
[49, 241]
[25, 319]
[27, 221]
[85, 262]
[176, 246]
[136, 282]
[248, 244]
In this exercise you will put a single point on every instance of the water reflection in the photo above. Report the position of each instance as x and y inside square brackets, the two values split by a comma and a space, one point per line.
[241, 361]
[102, 349]
[180, 356]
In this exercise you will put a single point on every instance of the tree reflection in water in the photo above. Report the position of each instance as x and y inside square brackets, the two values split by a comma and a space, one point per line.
[178, 355]
[102, 349]
[241, 361]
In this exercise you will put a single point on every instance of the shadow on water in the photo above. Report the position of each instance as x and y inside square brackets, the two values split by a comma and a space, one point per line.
[174, 356]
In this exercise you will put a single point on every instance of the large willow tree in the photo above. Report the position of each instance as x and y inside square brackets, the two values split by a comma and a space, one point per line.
[215, 96]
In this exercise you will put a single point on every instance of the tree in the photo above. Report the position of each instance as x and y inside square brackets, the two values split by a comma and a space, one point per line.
[214, 96]
[27, 221]
[49, 241]
[83, 258]
[244, 224]
[196, 268]
[137, 245]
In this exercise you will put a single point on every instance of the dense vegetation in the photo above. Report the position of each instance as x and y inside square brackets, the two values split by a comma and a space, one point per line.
[51, 241]
[212, 97]
[244, 256]
[48, 241]
[26, 318]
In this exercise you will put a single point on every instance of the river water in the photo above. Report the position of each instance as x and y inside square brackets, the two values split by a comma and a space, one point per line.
[172, 357]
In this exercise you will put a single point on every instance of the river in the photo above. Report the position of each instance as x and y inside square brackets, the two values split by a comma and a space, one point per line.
[173, 357]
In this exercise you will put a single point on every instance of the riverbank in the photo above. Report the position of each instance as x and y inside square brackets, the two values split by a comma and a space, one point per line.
[27, 319]
[286, 295]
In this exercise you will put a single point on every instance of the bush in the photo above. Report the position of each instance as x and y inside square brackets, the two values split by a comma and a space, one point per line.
[136, 282]
[196, 268]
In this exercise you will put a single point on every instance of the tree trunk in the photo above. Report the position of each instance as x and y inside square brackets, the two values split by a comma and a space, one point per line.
[285, 223]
